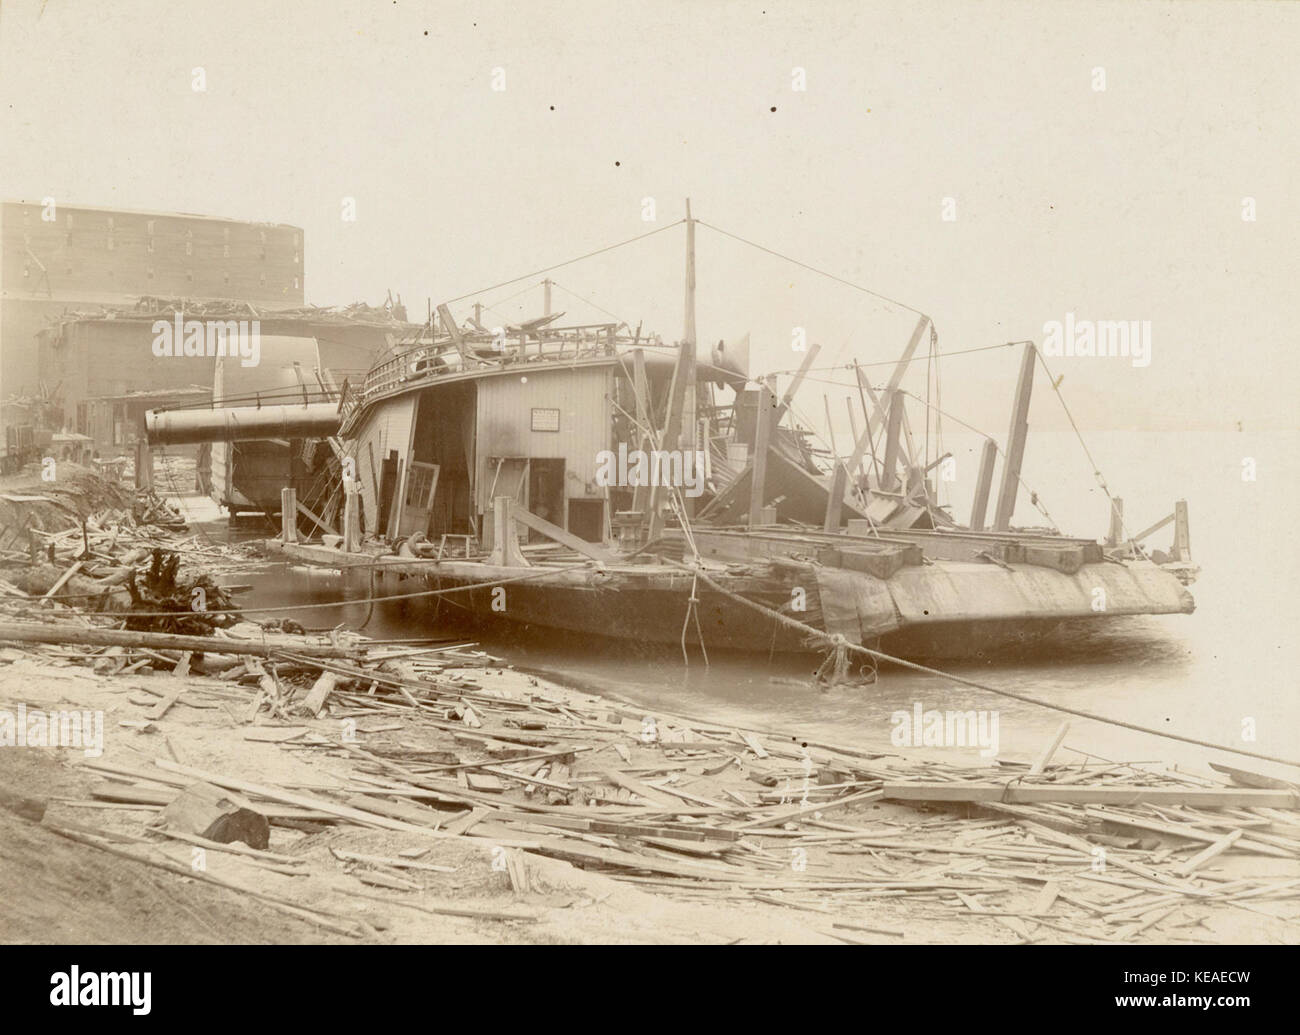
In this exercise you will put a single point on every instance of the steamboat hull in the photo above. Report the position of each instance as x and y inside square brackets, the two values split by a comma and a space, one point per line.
[946, 610]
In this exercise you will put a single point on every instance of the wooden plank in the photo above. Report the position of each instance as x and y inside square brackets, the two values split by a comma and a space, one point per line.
[762, 439]
[1046, 896]
[301, 800]
[1119, 794]
[555, 532]
[889, 466]
[161, 708]
[314, 702]
[1152, 530]
[1206, 854]
[320, 522]
[835, 499]
[1016, 436]
[449, 325]
[1040, 763]
[644, 416]
[1246, 778]
[32, 632]
[983, 484]
[61, 582]
[790, 814]
[800, 374]
[643, 790]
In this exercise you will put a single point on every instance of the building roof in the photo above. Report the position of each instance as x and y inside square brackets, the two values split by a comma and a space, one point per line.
[107, 209]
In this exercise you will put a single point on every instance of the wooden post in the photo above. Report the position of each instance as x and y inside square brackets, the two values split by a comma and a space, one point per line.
[1016, 441]
[683, 376]
[830, 427]
[1116, 533]
[351, 518]
[889, 472]
[1182, 535]
[788, 397]
[835, 501]
[143, 463]
[983, 484]
[896, 378]
[395, 508]
[289, 514]
[644, 416]
[505, 543]
[763, 437]
[546, 296]
[449, 325]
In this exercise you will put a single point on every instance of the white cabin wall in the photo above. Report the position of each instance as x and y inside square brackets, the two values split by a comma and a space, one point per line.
[505, 407]
[388, 427]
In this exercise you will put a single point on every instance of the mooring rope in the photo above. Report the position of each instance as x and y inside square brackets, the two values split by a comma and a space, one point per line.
[842, 643]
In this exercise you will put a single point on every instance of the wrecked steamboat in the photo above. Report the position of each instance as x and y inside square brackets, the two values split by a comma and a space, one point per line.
[588, 478]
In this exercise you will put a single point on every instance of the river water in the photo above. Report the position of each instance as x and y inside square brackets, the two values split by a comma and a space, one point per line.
[1224, 674]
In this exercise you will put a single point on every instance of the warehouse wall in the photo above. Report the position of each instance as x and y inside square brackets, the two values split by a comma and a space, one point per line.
[93, 257]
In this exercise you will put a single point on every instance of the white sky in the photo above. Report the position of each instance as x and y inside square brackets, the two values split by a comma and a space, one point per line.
[1122, 204]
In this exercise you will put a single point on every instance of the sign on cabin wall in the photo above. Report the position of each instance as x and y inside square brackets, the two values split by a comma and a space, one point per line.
[545, 419]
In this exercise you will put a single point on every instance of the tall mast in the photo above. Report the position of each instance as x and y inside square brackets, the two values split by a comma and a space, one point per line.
[690, 278]
[690, 404]
[679, 419]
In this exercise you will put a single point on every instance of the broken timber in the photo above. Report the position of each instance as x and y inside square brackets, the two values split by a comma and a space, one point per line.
[1127, 794]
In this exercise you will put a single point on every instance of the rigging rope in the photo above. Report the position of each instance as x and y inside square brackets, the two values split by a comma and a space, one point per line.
[567, 262]
[840, 642]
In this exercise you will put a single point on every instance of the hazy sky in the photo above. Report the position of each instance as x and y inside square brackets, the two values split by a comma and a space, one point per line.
[1122, 203]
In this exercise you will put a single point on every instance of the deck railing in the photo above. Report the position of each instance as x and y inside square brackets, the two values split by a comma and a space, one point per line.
[442, 357]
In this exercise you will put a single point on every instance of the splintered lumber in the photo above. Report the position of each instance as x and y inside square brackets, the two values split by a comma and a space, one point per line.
[28, 808]
[306, 801]
[61, 581]
[650, 794]
[314, 702]
[1246, 778]
[381, 860]
[783, 817]
[1046, 897]
[1117, 794]
[209, 812]
[30, 632]
[1205, 855]
[753, 743]
[161, 708]
[1040, 763]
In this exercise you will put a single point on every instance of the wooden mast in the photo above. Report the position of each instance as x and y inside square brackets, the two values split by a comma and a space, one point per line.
[690, 408]
[681, 403]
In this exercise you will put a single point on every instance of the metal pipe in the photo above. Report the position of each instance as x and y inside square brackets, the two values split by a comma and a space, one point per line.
[241, 423]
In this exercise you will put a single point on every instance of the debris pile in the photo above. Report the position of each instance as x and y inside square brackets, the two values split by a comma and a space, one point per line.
[84, 543]
[439, 741]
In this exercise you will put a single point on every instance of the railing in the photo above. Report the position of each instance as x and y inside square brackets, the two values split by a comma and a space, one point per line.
[478, 351]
